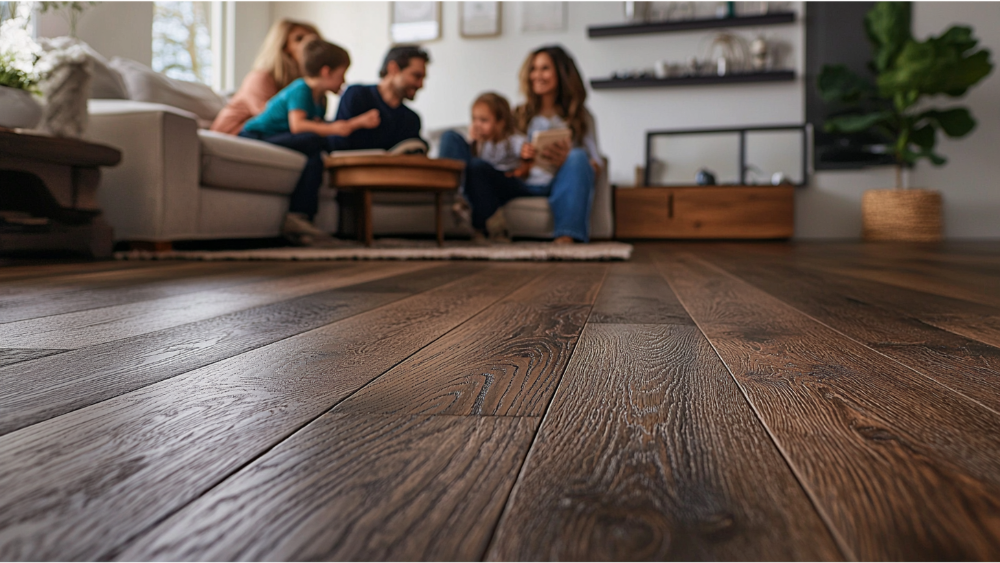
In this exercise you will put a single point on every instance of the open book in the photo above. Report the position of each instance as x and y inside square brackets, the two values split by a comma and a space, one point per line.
[544, 139]
[406, 146]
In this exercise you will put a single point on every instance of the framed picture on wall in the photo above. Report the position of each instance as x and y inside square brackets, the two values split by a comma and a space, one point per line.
[412, 22]
[543, 16]
[479, 19]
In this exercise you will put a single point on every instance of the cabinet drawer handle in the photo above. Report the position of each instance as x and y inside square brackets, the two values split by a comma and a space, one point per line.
[670, 206]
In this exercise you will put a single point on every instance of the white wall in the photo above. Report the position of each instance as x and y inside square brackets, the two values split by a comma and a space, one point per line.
[970, 182]
[113, 29]
[462, 68]
[253, 19]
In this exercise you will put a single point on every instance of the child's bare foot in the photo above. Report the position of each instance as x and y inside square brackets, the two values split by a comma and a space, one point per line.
[564, 240]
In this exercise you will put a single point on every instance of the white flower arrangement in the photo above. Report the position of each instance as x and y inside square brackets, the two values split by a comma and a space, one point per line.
[18, 51]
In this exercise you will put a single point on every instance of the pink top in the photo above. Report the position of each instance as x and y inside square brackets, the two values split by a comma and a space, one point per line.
[257, 88]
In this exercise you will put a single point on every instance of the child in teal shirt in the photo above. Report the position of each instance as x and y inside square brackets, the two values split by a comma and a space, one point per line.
[293, 118]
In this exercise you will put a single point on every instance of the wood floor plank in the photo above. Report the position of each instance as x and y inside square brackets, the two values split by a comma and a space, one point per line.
[134, 286]
[978, 289]
[506, 361]
[650, 452]
[850, 306]
[137, 458]
[418, 488]
[900, 466]
[50, 387]
[640, 296]
[106, 324]
[19, 270]
[966, 318]
[10, 356]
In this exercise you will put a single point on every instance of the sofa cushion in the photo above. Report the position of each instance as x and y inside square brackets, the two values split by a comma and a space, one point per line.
[146, 85]
[529, 217]
[236, 163]
[106, 83]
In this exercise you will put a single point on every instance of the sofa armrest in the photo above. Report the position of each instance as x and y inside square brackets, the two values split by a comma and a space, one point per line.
[153, 193]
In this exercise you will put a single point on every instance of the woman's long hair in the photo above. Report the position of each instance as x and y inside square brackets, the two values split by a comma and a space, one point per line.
[272, 57]
[570, 93]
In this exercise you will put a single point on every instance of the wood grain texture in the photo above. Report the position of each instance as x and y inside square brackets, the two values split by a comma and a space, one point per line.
[885, 452]
[705, 212]
[10, 356]
[637, 294]
[106, 324]
[980, 290]
[28, 300]
[188, 433]
[411, 489]
[850, 306]
[972, 320]
[506, 361]
[53, 386]
[13, 270]
[650, 452]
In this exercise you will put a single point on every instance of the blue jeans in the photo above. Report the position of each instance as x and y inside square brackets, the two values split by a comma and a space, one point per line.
[305, 196]
[570, 193]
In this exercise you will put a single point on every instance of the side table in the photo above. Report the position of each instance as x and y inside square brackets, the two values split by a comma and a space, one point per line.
[55, 181]
[367, 173]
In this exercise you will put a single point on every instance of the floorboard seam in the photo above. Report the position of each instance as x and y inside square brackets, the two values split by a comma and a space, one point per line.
[228, 357]
[834, 532]
[538, 427]
[227, 287]
[818, 270]
[852, 339]
[417, 351]
[112, 554]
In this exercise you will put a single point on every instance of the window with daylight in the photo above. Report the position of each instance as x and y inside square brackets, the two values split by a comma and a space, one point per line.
[182, 40]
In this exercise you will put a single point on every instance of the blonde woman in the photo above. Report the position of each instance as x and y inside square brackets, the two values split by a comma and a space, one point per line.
[278, 64]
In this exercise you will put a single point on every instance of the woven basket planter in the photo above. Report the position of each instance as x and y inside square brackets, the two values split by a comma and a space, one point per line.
[901, 215]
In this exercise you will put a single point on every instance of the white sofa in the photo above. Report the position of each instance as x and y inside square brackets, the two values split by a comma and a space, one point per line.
[178, 181]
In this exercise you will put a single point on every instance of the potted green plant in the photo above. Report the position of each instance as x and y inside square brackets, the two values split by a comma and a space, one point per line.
[18, 80]
[905, 72]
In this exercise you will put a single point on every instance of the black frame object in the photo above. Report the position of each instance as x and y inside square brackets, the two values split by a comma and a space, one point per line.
[835, 34]
[706, 80]
[803, 129]
[772, 18]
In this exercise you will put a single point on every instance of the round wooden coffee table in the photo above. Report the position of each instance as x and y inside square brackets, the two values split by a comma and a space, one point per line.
[401, 173]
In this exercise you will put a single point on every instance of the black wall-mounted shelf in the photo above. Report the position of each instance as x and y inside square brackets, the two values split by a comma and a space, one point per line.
[770, 76]
[690, 25]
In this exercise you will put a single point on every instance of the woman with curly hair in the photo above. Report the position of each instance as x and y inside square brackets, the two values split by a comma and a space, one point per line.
[554, 99]
[278, 64]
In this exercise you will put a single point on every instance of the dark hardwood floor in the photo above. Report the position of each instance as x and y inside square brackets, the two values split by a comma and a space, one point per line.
[702, 401]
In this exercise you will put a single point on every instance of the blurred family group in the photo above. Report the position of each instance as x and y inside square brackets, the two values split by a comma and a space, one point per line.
[283, 101]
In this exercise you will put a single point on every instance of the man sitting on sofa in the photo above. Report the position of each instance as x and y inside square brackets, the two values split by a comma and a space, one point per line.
[403, 72]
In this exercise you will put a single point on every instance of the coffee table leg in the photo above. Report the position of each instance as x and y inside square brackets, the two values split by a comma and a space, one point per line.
[437, 217]
[368, 216]
[359, 215]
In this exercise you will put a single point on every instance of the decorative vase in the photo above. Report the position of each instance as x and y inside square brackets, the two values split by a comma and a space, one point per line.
[901, 215]
[18, 108]
[65, 87]
[65, 91]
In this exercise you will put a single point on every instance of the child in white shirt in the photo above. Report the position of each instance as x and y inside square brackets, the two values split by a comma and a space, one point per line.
[494, 140]
[493, 136]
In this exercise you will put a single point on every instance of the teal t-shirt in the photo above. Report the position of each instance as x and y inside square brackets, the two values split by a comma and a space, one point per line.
[274, 119]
